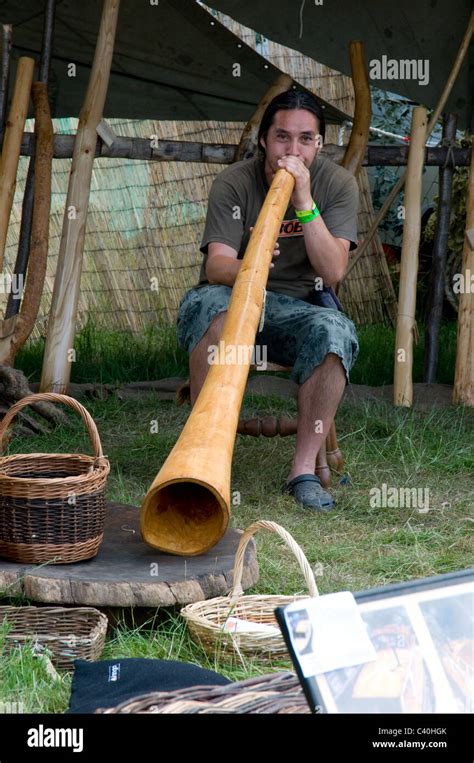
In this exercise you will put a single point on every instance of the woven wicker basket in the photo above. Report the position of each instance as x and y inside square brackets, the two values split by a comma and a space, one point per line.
[69, 633]
[206, 619]
[278, 693]
[52, 506]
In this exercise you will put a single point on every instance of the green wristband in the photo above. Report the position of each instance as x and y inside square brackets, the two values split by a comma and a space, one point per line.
[307, 217]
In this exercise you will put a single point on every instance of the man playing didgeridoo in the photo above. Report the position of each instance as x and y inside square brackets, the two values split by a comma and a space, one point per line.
[319, 228]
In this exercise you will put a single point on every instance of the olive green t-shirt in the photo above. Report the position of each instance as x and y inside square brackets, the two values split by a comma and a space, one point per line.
[236, 198]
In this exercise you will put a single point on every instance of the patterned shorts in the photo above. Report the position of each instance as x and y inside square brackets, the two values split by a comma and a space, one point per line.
[295, 333]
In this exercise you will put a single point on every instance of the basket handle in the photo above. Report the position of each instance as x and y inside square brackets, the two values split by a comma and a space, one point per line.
[263, 524]
[53, 397]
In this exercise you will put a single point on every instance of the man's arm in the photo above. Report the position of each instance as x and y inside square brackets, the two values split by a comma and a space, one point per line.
[328, 255]
[222, 264]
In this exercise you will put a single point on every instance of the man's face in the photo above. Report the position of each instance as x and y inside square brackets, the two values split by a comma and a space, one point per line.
[292, 133]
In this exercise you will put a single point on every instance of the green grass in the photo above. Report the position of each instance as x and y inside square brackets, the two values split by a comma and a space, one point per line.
[24, 680]
[355, 546]
[112, 357]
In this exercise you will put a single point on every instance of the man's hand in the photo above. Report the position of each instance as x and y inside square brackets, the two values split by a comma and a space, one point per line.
[276, 251]
[301, 197]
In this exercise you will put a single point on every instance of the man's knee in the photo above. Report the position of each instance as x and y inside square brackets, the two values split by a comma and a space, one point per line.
[213, 331]
[215, 327]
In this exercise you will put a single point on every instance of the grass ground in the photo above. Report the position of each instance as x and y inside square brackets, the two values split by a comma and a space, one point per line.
[355, 546]
[109, 357]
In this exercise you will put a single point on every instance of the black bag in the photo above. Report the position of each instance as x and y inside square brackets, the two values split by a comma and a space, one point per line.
[107, 683]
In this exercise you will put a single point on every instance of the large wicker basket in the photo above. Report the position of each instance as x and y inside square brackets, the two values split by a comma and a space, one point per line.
[206, 619]
[278, 693]
[68, 633]
[52, 506]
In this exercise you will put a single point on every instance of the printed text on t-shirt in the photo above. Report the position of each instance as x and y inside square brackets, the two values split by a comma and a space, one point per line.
[290, 228]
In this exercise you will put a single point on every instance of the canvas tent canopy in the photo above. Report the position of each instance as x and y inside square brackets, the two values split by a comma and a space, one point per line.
[171, 60]
[425, 30]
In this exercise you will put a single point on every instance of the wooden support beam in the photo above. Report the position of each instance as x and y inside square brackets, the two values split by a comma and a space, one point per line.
[355, 150]
[438, 262]
[47, 42]
[15, 330]
[7, 34]
[11, 144]
[403, 382]
[21, 263]
[62, 322]
[330, 456]
[464, 373]
[224, 153]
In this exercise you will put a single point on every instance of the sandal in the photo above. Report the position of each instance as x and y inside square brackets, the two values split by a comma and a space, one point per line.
[307, 490]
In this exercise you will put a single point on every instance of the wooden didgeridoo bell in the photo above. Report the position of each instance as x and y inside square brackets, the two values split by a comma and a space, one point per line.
[187, 508]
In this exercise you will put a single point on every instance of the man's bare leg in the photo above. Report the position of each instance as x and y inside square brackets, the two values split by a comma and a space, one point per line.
[198, 359]
[318, 399]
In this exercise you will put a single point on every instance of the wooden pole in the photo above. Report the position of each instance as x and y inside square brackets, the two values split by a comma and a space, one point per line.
[47, 44]
[16, 330]
[7, 34]
[464, 373]
[438, 263]
[58, 353]
[330, 456]
[403, 383]
[355, 150]
[11, 145]
[248, 142]
[460, 56]
[21, 263]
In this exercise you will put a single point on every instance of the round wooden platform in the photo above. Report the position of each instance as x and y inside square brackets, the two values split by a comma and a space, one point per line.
[126, 572]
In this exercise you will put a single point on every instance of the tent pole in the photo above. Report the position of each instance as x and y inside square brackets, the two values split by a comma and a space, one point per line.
[464, 373]
[438, 265]
[7, 34]
[352, 161]
[11, 144]
[59, 353]
[14, 331]
[21, 263]
[403, 383]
